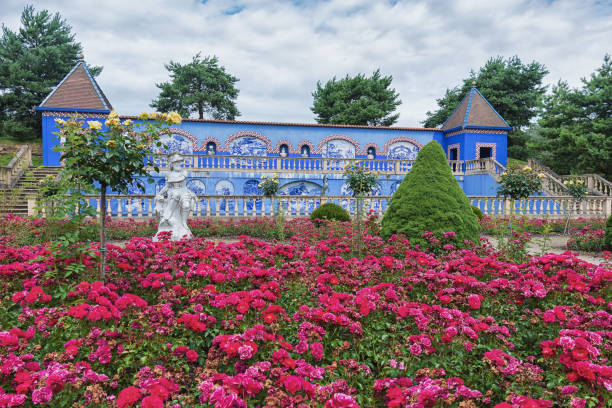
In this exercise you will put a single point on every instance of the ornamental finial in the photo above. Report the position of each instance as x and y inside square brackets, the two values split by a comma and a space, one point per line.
[473, 84]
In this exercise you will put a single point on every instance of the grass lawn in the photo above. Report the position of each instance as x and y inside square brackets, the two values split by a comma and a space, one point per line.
[512, 161]
[10, 146]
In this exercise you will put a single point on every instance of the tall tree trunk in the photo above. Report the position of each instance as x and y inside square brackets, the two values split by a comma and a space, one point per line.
[103, 232]
[201, 111]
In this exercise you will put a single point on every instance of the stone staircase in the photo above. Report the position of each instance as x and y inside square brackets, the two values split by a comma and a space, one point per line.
[15, 200]
[553, 183]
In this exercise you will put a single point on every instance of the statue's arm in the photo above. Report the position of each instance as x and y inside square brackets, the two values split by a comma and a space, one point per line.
[162, 191]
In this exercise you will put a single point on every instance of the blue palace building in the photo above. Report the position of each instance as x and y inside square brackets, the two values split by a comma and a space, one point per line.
[228, 158]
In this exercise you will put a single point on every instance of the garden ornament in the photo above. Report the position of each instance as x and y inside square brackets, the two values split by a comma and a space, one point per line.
[174, 202]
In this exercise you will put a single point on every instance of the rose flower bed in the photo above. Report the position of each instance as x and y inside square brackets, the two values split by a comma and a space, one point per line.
[302, 324]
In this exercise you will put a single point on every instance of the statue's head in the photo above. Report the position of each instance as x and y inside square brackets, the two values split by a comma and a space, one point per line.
[174, 159]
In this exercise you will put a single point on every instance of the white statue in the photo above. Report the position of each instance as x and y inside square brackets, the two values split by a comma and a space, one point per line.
[174, 208]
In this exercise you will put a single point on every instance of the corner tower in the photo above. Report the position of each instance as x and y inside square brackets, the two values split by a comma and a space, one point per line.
[77, 94]
[475, 130]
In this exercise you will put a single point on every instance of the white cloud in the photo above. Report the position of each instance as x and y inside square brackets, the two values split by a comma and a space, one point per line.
[280, 49]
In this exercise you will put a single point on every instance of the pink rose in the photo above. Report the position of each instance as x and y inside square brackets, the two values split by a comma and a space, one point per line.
[317, 350]
[42, 395]
[474, 301]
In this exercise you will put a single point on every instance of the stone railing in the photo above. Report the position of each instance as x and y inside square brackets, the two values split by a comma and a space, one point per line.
[594, 183]
[137, 206]
[316, 165]
[545, 206]
[553, 184]
[241, 205]
[17, 166]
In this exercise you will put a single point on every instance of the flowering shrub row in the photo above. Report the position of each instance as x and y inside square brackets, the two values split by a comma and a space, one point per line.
[587, 238]
[537, 225]
[303, 324]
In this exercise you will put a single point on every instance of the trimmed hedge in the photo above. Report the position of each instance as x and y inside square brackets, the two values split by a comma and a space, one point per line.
[329, 211]
[430, 199]
[477, 212]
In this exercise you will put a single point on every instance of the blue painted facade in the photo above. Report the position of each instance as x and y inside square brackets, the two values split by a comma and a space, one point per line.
[462, 137]
[257, 139]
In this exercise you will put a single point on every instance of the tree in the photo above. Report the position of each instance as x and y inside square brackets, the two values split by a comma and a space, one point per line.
[33, 61]
[430, 199]
[201, 86]
[113, 159]
[356, 101]
[514, 89]
[576, 125]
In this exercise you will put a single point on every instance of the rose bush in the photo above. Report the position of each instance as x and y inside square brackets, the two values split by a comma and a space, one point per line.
[303, 323]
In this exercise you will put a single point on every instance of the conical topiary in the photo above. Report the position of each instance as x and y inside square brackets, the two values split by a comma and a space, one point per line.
[430, 199]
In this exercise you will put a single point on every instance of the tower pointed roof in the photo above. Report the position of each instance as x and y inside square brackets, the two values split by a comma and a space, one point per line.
[475, 112]
[77, 92]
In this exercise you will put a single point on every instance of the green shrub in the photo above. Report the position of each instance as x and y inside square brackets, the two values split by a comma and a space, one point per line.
[608, 236]
[329, 211]
[477, 212]
[430, 199]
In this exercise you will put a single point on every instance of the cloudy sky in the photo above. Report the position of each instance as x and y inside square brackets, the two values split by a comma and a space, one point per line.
[280, 49]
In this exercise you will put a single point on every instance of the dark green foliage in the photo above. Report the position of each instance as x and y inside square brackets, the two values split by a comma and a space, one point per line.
[201, 86]
[608, 236]
[430, 199]
[514, 89]
[329, 211]
[356, 101]
[477, 212]
[33, 61]
[576, 126]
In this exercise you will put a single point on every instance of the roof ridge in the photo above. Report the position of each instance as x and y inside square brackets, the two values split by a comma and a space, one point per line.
[491, 106]
[295, 124]
[73, 89]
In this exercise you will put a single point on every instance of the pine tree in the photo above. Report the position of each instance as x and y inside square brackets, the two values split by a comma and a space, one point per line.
[33, 61]
[201, 86]
[430, 199]
[359, 100]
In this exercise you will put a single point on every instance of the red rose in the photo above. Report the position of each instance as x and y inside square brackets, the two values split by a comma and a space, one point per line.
[292, 383]
[269, 318]
[192, 355]
[573, 376]
[128, 397]
[289, 363]
[580, 354]
[159, 391]
[152, 402]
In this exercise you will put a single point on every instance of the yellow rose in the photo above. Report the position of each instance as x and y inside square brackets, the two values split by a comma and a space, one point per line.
[113, 114]
[94, 124]
[60, 122]
[112, 122]
[111, 143]
[153, 115]
[175, 118]
[143, 116]
[527, 168]
[128, 122]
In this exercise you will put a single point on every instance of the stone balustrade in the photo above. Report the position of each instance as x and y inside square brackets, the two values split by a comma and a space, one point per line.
[315, 165]
[17, 166]
[141, 206]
